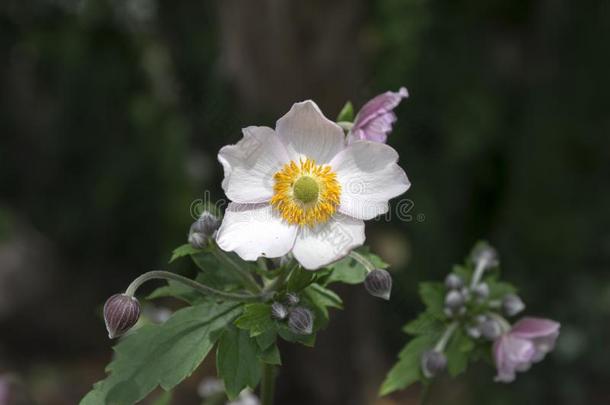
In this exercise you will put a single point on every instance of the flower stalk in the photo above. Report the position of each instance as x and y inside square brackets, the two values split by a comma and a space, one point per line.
[203, 289]
[267, 384]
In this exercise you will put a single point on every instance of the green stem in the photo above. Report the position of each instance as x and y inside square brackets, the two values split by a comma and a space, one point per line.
[268, 384]
[203, 289]
[440, 346]
[425, 393]
[346, 125]
[362, 260]
[249, 282]
[281, 278]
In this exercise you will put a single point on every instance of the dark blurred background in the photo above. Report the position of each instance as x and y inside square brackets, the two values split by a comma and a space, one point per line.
[112, 112]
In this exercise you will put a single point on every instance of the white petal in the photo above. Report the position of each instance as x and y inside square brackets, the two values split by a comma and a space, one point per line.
[306, 132]
[250, 165]
[255, 230]
[328, 242]
[369, 178]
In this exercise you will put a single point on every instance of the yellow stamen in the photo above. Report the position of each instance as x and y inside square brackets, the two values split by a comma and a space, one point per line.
[306, 193]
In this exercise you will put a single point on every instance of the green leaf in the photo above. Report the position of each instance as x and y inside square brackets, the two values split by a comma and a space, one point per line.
[498, 289]
[299, 279]
[347, 113]
[349, 271]
[164, 399]
[407, 370]
[256, 318]
[271, 356]
[425, 323]
[161, 354]
[458, 352]
[433, 296]
[322, 298]
[177, 290]
[237, 361]
[214, 273]
[267, 338]
[184, 250]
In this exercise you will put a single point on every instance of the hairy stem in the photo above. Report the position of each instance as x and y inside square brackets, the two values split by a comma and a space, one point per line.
[203, 289]
[268, 384]
[362, 260]
[478, 272]
[440, 346]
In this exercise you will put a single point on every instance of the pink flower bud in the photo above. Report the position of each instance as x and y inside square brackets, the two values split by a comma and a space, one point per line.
[375, 119]
[121, 312]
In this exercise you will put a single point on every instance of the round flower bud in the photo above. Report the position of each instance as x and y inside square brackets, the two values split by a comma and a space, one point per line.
[481, 290]
[454, 299]
[292, 299]
[473, 331]
[512, 304]
[378, 283]
[453, 281]
[300, 321]
[203, 229]
[490, 329]
[278, 311]
[121, 312]
[432, 363]
[487, 254]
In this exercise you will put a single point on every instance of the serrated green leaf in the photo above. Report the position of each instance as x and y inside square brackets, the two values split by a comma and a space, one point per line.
[458, 352]
[271, 356]
[184, 250]
[347, 113]
[407, 370]
[162, 355]
[433, 296]
[425, 323]
[299, 279]
[237, 361]
[214, 273]
[256, 318]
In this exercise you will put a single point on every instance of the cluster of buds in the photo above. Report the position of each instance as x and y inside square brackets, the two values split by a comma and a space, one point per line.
[300, 319]
[469, 306]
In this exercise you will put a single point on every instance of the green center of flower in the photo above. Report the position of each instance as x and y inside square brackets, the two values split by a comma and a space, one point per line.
[306, 189]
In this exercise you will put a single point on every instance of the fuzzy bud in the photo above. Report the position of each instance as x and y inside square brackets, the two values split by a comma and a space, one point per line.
[300, 321]
[453, 281]
[278, 311]
[203, 229]
[121, 312]
[487, 254]
[490, 329]
[473, 331]
[292, 299]
[481, 290]
[432, 363]
[512, 304]
[454, 299]
[378, 283]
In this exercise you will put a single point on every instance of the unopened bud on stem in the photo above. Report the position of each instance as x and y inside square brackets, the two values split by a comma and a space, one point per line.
[378, 283]
[121, 312]
[512, 304]
[292, 299]
[300, 321]
[481, 290]
[279, 311]
[453, 281]
[490, 329]
[433, 362]
[454, 300]
[486, 254]
[203, 229]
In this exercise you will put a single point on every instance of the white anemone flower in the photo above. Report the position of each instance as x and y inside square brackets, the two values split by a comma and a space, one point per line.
[302, 189]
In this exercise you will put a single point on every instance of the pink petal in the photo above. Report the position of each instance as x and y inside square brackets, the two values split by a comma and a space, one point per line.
[531, 328]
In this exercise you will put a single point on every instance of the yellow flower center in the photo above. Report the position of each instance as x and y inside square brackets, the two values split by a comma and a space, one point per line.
[306, 193]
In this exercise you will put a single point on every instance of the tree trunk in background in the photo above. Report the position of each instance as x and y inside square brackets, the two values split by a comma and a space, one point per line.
[277, 52]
